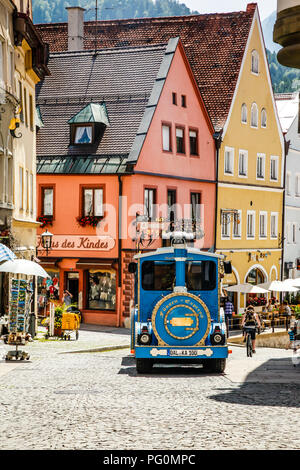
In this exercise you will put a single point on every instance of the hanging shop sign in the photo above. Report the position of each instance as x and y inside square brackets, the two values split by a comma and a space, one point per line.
[77, 243]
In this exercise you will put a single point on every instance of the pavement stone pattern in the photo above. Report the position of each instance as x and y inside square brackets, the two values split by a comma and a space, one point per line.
[97, 401]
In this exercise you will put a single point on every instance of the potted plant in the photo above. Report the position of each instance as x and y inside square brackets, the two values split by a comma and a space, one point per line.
[60, 309]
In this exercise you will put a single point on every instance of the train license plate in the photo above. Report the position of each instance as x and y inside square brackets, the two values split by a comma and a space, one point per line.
[182, 352]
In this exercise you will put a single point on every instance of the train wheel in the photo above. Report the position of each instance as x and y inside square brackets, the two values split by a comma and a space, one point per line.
[143, 366]
[218, 365]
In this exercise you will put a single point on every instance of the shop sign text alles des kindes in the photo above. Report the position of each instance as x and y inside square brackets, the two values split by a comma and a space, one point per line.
[76, 242]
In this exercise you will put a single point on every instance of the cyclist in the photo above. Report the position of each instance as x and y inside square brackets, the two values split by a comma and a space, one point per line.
[249, 322]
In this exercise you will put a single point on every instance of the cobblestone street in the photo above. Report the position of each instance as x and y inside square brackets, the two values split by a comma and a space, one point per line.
[97, 401]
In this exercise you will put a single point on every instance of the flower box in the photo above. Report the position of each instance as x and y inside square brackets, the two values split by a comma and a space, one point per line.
[91, 220]
[45, 220]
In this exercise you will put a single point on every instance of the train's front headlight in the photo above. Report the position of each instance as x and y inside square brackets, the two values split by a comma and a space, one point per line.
[217, 338]
[144, 337]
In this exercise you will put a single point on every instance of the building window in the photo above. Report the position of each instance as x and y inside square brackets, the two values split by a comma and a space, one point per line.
[274, 169]
[244, 113]
[254, 62]
[31, 119]
[21, 187]
[288, 183]
[47, 202]
[174, 98]
[263, 225]
[294, 233]
[193, 136]
[183, 101]
[166, 138]
[225, 225]
[31, 194]
[93, 202]
[297, 186]
[263, 118]
[243, 163]
[149, 203]
[25, 107]
[180, 140]
[171, 201]
[195, 206]
[101, 289]
[260, 166]
[11, 69]
[83, 135]
[237, 225]
[26, 205]
[1, 62]
[254, 115]
[274, 225]
[21, 102]
[251, 224]
[229, 161]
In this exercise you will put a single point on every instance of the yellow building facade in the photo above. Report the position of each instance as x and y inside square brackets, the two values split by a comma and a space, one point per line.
[251, 175]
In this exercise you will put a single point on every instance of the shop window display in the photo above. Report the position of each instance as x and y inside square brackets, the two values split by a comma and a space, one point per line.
[47, 289]
[101, 289]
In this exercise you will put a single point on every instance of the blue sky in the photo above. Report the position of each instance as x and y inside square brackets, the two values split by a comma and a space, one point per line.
[266, 7]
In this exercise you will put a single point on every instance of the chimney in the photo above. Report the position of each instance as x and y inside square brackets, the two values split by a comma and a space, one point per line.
[251, 7]
[75, 28]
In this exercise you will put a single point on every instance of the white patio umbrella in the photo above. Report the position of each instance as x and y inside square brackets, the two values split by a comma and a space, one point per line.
[278, 286]
[246, 288]
[23, 266]
[293, 282]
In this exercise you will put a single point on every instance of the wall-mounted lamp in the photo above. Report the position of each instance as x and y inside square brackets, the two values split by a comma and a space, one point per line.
[46, 238]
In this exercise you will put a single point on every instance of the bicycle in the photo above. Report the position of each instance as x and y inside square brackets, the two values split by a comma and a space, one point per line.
[249, 346]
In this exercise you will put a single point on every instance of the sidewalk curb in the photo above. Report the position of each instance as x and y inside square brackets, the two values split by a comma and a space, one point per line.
[100, 349]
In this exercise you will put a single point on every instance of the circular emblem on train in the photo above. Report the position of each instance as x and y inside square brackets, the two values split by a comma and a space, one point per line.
[181, 318]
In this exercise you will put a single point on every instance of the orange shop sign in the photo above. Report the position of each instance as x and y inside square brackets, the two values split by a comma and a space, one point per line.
[78, 242]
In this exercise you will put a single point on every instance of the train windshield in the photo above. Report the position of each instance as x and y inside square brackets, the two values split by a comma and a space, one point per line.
[200, 275]
[158, 275]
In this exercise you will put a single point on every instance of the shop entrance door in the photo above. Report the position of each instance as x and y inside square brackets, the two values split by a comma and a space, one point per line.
[72, 281]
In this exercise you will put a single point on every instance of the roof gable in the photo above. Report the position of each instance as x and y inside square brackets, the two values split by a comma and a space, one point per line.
[79, 81]
[214, 46]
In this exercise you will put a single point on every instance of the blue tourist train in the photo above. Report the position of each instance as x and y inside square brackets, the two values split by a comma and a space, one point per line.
[177, 313]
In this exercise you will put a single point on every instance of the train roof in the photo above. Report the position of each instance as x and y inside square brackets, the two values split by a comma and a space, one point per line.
[162, 251]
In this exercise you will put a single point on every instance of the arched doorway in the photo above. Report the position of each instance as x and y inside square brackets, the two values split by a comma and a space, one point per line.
[256, 276]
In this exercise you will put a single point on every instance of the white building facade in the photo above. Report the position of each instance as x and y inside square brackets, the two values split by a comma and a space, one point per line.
[288, 109]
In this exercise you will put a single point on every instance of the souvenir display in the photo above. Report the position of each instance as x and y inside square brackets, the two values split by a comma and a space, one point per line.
[18, 316]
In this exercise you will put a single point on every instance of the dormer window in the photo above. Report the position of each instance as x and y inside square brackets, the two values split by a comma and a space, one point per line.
[88, 125]
[83, 135]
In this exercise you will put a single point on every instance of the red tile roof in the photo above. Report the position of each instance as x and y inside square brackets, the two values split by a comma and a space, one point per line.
[214, 44]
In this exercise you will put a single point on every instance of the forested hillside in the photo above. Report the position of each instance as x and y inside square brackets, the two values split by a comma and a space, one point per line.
[52, 11]
[284, 79]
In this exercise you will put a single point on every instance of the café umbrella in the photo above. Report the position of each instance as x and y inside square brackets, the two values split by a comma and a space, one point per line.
[293, 282]
[246, 288]
[278, 286]
[23, 266]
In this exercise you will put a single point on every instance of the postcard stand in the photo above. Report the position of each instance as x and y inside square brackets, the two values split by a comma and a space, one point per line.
[19, 310]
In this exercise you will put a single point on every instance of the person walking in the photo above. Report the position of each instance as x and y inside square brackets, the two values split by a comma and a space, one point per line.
[67, 298]
[228, 310]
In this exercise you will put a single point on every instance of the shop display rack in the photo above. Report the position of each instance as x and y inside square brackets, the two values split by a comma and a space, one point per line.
[19, 310]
